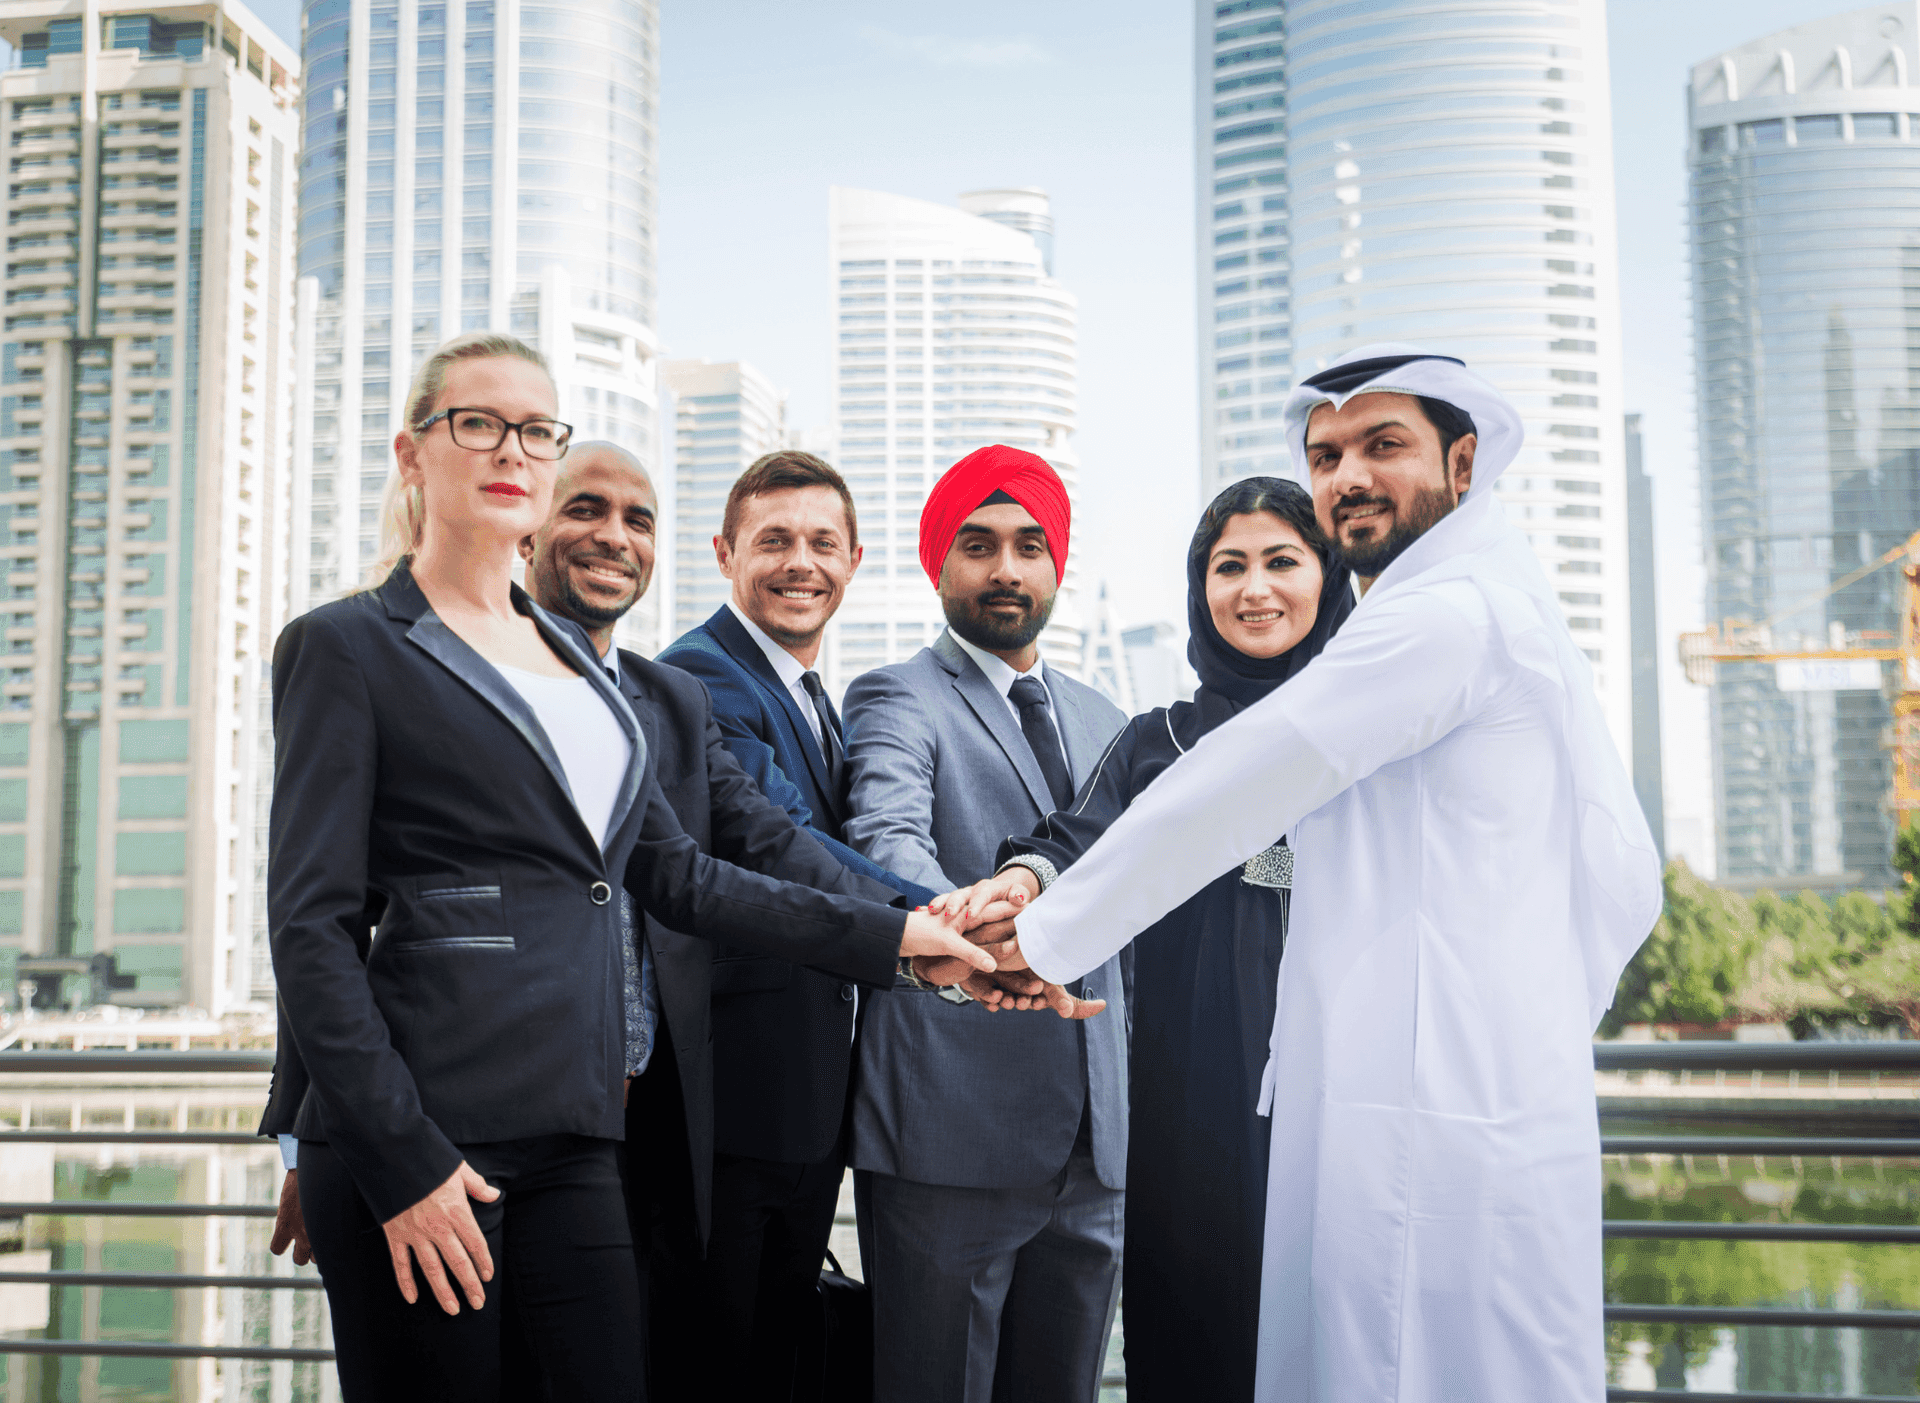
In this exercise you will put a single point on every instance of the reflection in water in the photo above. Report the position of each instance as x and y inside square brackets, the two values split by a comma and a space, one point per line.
[194, 1245]
[1803, 1275]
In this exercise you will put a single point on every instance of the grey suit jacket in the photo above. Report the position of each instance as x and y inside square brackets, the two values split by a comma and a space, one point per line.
[946, 1093]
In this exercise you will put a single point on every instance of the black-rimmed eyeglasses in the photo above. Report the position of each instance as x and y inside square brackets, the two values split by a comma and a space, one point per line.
[483, 432]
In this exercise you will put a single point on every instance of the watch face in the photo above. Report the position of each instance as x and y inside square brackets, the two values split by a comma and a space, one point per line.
[953, 994]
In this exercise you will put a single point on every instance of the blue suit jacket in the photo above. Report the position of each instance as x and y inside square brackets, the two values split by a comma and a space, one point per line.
[782, 1034]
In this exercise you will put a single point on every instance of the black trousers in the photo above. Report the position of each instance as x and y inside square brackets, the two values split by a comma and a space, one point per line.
[771, 1221]
[666, 1233]
[562, 1314]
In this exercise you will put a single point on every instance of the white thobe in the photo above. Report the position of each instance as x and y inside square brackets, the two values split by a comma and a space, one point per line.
[1433, 1203]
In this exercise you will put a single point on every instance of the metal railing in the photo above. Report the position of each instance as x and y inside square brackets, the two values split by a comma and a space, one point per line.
[1684, 1060]
[156, 1064]
[1688, 1060]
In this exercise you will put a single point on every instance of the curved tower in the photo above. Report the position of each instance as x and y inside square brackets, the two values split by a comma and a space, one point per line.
[1441, 174]
[1805, 203]
[470, 164]
[951, 335]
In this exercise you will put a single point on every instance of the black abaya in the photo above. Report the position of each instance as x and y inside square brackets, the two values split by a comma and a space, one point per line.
[1202, 1007]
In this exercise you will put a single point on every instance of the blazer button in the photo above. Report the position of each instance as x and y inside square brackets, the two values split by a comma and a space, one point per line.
[846, 993]
[600, 893]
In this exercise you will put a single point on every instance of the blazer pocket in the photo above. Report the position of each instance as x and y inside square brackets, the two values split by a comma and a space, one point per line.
[750, 974]
[450, 917]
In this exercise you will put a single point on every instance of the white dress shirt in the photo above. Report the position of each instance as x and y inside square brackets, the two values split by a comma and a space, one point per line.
[788, 669]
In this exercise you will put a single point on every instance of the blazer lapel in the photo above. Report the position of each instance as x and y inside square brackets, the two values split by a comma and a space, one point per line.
[587, 663]
[404, 601]
[997, 717]
[1083, 750]
[728, 632]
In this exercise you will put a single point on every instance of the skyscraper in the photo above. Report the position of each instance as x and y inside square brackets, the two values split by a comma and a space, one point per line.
[144, 474]
[469, 164]
[726, 414]
[1805, 200]
[1443, 176]
[1648, 771]
[950, 333]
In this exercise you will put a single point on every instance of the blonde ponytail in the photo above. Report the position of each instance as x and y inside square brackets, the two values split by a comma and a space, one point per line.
[403, 509]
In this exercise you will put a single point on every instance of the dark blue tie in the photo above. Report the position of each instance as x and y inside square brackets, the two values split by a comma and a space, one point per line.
[829, 726]
[1043, 737]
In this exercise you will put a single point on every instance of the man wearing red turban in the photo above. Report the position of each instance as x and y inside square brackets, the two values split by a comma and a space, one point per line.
[994, 1220]
[985, 477]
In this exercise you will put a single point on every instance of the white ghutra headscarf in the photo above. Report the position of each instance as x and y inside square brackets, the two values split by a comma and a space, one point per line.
[1616, 871]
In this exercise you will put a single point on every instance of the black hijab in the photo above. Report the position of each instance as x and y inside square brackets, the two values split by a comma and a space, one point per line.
[1229, 679]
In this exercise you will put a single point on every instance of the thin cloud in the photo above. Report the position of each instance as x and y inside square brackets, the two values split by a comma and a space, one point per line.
[945, 51]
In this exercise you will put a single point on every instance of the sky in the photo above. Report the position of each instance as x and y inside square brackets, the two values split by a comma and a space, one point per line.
[766, 103]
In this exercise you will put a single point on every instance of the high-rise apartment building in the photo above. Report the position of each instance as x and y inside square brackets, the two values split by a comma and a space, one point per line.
[1805, 205]
[469, 164]
[950, 334]
[1649, 774]
[1439, 175]
[726, 414]
[145, 395]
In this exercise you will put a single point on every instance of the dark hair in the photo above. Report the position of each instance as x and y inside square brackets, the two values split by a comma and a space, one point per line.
[1289, 501]
[1449, 420]
[776, 472]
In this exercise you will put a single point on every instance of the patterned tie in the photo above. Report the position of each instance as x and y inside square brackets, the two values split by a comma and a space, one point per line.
[829, 727]
[1030, 696]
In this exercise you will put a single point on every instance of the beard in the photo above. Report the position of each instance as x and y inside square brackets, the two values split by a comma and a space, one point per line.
[967, 617]
[591, 611]
[1370, 558]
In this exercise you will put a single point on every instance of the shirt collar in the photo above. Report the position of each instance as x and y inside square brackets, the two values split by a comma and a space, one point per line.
[786, 666]
[998, 670]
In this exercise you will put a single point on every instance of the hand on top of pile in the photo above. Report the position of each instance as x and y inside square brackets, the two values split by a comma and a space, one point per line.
[986, 913]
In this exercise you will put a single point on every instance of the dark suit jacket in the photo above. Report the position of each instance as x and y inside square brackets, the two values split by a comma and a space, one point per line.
[723, 811]
[414, 789]
[782, 1035]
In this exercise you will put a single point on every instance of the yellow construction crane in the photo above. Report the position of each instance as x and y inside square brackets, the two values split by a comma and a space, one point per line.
[1736, 641]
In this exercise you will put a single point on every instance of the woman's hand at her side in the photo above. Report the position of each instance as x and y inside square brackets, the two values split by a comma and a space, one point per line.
[441, 1225]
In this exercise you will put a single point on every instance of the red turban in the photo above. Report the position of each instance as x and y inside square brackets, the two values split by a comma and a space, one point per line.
[1027, 478]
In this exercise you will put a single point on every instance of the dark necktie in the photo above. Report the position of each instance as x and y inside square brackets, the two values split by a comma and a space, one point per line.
[1030, 696]
[829, 729]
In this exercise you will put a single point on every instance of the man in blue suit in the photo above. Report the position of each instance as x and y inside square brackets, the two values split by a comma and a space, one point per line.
[782, 1035]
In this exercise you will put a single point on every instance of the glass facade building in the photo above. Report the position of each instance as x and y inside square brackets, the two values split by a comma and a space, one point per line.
[1397, 171]
[470, 164]
[950, 334]
[145, 396]
[1805, 214]
[725, 415]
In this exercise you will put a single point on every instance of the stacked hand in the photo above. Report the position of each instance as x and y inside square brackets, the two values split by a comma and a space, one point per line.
[986, 913]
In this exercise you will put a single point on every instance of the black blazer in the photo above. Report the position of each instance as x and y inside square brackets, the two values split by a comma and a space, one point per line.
[722, 810]
[415, 791]
[782, 1035]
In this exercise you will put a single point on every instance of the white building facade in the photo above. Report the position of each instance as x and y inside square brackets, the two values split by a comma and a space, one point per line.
[726, 414]
[1440, 175]
[145, 448]
[950, 333]
[1805, 204]
[470, 164]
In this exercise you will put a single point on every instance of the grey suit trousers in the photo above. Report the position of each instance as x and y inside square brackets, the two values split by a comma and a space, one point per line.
[995, 1295]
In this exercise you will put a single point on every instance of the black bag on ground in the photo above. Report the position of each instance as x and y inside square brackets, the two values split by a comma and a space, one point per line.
[835, 1363]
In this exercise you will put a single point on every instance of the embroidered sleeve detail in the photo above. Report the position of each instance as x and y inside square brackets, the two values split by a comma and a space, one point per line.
[1272, 868]
[1036, 864]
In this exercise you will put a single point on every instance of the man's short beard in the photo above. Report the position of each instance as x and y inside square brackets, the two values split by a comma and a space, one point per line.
[967, 617]
[585, 611]
[1370, 558]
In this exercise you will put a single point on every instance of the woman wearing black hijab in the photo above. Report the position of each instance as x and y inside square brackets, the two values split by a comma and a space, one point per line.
[1263, 598]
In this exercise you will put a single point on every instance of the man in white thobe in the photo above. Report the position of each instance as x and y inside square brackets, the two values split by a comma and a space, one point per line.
[1473, 873]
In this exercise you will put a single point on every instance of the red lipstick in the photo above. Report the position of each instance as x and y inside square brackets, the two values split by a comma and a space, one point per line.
[504, 489]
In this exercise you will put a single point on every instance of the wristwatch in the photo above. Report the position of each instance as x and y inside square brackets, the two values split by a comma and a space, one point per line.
[952, 993]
